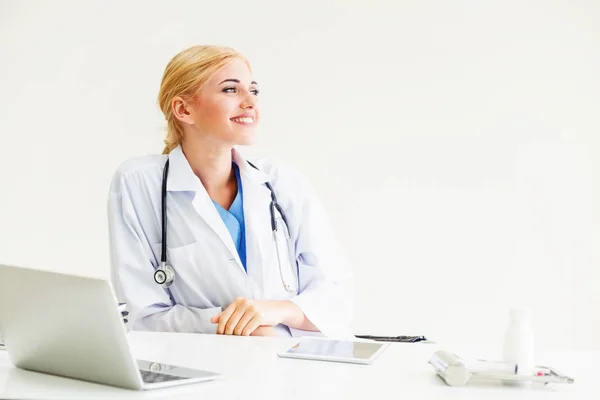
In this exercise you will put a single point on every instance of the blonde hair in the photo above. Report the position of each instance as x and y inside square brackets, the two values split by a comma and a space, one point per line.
[185, 74]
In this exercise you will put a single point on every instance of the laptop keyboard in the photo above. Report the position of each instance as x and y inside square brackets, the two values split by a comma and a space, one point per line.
[155, 377]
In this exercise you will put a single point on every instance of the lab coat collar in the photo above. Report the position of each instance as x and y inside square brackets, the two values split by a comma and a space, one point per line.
[246, 170]
[182, 178]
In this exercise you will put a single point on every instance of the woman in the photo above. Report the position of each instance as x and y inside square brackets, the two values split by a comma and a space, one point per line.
[232, 272]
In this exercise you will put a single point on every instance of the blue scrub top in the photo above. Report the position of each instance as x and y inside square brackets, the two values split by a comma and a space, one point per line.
[234, 218]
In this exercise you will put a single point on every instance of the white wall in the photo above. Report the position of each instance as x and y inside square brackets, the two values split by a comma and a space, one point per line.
[455, 144]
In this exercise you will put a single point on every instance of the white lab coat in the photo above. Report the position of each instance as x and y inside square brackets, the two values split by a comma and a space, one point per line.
[209, 273]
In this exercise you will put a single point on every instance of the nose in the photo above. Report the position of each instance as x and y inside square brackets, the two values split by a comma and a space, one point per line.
[249, 101]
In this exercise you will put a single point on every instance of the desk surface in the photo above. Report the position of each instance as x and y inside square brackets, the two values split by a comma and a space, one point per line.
[252, 370]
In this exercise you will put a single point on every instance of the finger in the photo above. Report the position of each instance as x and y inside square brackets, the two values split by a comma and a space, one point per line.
[239, 329]
[215, 318]
[234, 319]
[251, 326]
[225, 317]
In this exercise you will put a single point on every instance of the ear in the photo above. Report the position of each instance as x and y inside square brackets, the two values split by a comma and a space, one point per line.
[182, 110]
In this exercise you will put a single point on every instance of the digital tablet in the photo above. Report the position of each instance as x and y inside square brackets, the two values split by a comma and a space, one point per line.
[311, 348]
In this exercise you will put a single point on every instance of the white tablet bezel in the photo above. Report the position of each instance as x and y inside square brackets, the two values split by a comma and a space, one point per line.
[350, 360]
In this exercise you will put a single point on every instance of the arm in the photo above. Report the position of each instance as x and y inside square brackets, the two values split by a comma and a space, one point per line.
[326, 296]
[133, 264]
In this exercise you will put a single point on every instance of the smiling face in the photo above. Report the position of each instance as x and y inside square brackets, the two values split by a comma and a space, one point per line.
[225, 110]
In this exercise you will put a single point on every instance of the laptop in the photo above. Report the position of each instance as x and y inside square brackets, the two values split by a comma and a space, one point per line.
[70, 326]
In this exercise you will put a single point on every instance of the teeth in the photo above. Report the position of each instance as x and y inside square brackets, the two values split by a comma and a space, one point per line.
[247, 120]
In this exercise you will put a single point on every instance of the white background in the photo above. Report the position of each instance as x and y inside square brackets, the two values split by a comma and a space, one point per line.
[454, 143]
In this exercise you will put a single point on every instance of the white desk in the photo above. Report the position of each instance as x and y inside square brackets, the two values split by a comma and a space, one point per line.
[253, 371]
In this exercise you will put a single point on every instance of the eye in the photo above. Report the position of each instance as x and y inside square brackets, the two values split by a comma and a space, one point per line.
[232, 89]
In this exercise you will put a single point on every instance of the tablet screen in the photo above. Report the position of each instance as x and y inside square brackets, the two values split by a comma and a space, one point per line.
[335, 349]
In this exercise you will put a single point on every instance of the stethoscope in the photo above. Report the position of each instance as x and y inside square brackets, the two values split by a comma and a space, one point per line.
[165, 274]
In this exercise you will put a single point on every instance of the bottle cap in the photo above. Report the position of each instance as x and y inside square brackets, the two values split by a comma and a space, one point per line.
[520, 312]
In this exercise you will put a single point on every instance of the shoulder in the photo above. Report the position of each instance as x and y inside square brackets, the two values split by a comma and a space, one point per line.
[280, 172]
[290, 184]
[138, 171]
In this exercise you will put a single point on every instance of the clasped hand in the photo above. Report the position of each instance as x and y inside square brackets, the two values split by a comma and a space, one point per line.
[246, 317]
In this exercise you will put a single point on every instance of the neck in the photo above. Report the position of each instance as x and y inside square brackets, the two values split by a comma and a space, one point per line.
[210, 163]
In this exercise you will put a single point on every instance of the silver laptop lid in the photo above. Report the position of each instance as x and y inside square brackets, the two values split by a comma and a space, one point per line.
[65, 325]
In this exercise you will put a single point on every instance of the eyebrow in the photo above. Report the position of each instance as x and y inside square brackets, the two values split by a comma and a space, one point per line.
[237, 81]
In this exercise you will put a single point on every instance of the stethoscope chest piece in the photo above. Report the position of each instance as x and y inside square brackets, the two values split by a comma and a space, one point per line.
[164, 275]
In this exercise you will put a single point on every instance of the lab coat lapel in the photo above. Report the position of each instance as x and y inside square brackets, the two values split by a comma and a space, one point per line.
[257, 217]
[182, 178]
[207, 211]
[257, 220]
